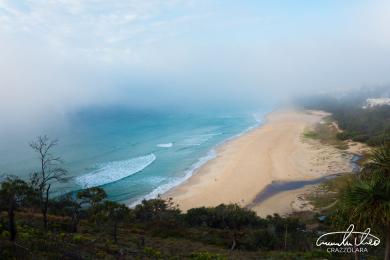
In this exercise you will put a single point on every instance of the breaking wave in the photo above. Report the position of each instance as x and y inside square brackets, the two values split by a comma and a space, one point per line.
[177, 181]
[167, 145]
[114, 171]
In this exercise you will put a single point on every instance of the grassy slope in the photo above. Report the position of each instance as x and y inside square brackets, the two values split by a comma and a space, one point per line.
[326, 132]
[135, 241]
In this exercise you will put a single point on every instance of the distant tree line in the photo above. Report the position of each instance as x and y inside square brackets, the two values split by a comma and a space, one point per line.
[369, 125]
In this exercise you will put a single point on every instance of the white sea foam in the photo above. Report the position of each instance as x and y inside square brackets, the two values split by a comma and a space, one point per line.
[177, 181]
[198, 139]
[167, 145]
[114, 171]
[259, 117]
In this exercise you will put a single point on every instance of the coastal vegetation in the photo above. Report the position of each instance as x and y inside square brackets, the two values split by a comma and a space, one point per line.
[155, 229]
[366, 201]
[326, 132]
[357, 121]
[362, 199]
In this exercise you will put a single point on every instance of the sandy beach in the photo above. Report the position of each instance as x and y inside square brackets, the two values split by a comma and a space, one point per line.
[276, 151]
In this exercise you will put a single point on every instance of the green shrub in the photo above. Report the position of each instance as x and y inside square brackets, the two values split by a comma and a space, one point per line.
[311, 134]
[77, 238]
[360, 138]
[343, 136]
[207, 256]
[101, 254]
[153, 253]
[157, 210]
[229, 216]
[25, 235]
[5, 234]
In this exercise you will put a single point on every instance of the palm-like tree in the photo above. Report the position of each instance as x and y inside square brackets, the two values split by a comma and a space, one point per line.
[367, 200]
[378, 163]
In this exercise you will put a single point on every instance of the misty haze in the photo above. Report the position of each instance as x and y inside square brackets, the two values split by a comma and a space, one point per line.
[245, 127]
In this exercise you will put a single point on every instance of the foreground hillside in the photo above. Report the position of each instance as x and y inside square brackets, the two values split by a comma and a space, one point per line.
[155, 232]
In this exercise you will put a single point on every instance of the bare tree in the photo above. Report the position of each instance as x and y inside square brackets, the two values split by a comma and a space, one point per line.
[49, 172]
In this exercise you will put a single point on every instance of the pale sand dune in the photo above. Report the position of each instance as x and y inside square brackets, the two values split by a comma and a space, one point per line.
[246, 165]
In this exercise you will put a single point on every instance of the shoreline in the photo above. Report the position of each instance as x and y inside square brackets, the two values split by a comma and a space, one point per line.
[201, 161]
[244, 166]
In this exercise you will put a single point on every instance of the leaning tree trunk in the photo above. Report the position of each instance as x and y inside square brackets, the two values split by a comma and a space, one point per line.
[387, 250]
[234, 242]
[44, 213]
[115, 232]
[11, 221]
[75, 222]
[285, 238]
[45, 207]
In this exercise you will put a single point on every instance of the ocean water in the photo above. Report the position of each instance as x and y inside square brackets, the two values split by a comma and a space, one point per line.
[136, 154]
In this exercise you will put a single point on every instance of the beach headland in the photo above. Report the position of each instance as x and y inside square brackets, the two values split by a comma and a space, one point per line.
[245, 166]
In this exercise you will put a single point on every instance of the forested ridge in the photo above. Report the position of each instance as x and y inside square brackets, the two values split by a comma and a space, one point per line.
[358, 122]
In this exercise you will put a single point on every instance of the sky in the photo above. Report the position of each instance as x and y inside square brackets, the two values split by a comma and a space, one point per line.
[58, 56]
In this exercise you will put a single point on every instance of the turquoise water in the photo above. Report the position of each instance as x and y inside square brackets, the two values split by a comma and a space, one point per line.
[135, 154]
